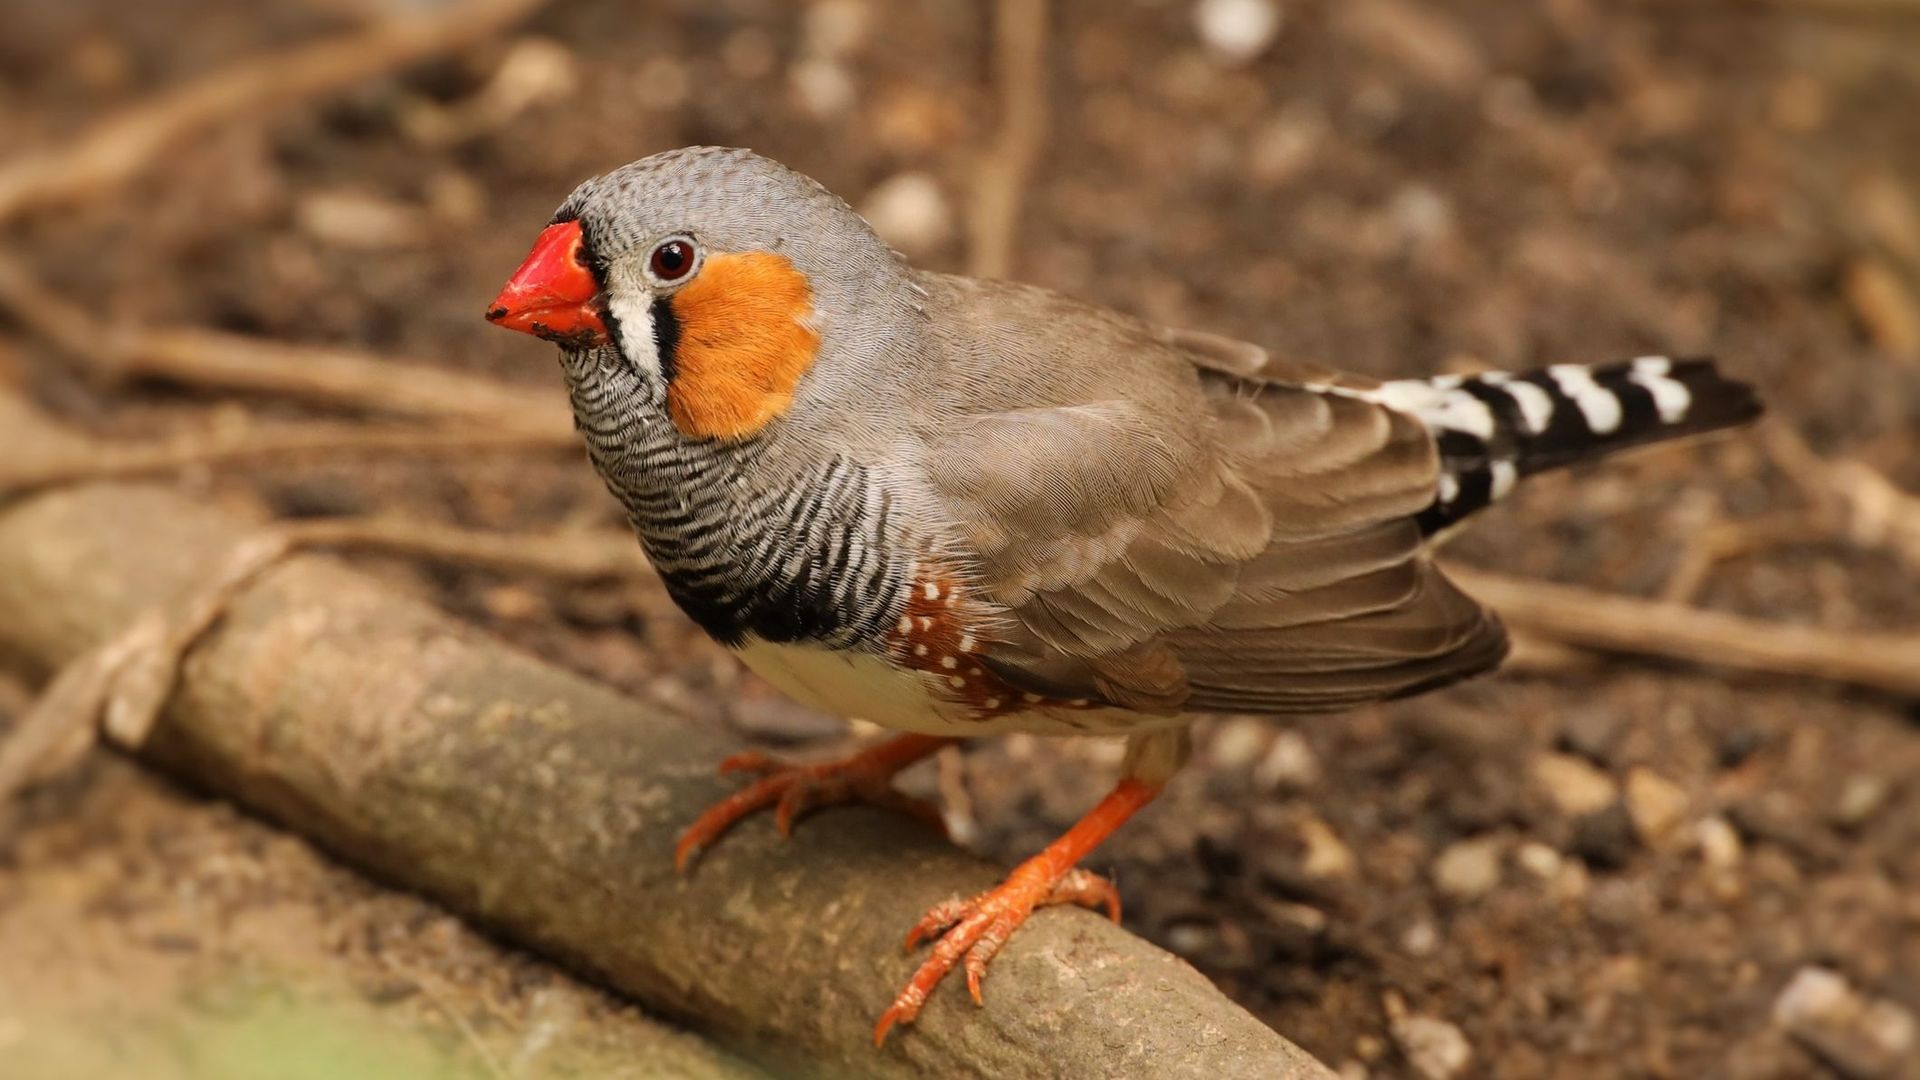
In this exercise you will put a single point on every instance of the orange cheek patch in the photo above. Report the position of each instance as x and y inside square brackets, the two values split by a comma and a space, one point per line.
[744, 344]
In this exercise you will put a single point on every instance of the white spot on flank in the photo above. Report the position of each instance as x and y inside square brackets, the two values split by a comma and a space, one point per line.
[957, 681]
[966, 642]
[933, 591]
[1600, 408]
[1670, 395]
[919, 650]
[949, 662]
[906, 625]
[1504, 476]
[991, 703]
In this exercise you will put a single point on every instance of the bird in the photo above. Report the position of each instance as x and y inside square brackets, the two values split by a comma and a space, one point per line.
[958, 508]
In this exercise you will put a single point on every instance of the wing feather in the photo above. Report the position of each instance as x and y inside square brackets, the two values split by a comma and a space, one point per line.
[1186, 523]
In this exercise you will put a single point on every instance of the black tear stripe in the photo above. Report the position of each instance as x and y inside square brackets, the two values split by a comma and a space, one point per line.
[666, 337]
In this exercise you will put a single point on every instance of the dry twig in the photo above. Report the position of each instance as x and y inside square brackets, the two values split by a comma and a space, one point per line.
[320, 375]
[1020, 56]
[1624, 624]
[117, 148]
[250, 446]
[574, 556]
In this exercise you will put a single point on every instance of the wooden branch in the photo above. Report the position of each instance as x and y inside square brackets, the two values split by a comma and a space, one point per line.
[544, 806]
[1880, 661]
[119, 147]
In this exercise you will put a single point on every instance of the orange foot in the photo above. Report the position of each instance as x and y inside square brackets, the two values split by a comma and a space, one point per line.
[794, 789]
[976, 929]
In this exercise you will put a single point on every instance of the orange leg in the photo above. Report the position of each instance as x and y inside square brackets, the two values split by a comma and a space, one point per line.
[794, 789]
[976, 929]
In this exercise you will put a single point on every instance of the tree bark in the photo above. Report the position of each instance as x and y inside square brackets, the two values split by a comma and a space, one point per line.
[544, 807]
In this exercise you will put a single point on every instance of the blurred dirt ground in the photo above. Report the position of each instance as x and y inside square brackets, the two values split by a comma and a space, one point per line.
[1610, 869]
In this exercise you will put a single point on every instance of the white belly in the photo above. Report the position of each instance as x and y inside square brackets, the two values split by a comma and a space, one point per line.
[859, 685]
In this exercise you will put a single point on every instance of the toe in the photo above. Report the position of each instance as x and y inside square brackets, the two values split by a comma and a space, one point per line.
[750, 761]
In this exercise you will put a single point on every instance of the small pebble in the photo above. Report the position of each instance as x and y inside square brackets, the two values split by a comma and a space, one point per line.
[1468, 869]
[1605, 838]
[1862, 1038]
[1538, 859]
[1574, 785]
[910, 212]
[824, 88]
[1420, 940]
[1593, 732]
[1237, 742]
[1719, 841]
[1436, 1049]
[1326, 855]
[1289, 763]
[1237, 31]
[1861, 796]
[1655, 804]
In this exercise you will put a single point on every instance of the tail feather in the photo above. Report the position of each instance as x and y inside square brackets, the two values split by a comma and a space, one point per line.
[1493, 429]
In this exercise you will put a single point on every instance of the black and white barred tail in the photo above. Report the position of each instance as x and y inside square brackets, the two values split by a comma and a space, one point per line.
[1495, 428]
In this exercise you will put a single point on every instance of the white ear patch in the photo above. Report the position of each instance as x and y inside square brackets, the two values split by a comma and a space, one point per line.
[632, 311]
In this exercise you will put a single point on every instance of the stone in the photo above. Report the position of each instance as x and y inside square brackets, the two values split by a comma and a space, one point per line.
[1861, 1038]
[1288, 763]
[1574, 785]
[1538, 859]
[1237, 31]
[1436, 1049]
[1719, 842]
[1420, 939]
[1861, 796]
[910, 212]
[1605, 838]
[1655, 804]
[1326, 856]
[1468, 869]
[1236, 742]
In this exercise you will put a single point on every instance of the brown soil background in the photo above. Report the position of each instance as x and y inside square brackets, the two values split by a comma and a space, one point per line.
[1394, 187]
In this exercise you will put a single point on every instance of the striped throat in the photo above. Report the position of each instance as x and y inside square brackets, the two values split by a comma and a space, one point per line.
[747, 544]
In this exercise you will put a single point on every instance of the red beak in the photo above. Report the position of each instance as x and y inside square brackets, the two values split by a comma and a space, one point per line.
[553, 295]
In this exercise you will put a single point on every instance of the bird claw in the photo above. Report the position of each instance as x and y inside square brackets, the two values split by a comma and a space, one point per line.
[972, 932]
[793, 790]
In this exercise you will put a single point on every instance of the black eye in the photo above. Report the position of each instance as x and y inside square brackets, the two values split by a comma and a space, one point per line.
[671, 260]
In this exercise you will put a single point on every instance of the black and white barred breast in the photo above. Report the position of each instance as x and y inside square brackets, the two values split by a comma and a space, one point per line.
[745, 549]
[1495, 428]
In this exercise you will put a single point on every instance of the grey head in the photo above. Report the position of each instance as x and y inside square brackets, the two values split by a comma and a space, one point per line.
[725, 200]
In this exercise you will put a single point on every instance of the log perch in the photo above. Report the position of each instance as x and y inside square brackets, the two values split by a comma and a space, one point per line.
[544, 807]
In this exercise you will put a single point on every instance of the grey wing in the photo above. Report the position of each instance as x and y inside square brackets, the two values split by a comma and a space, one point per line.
[1246, 546]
